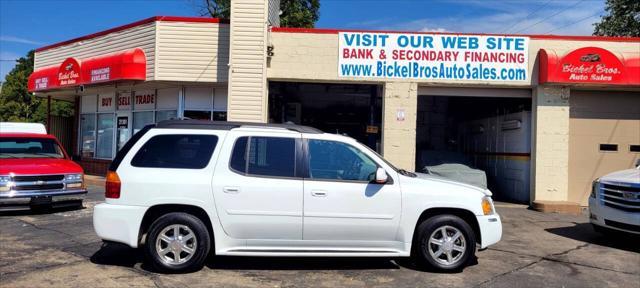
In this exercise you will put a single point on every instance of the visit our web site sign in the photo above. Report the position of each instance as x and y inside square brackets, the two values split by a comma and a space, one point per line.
[433, 56]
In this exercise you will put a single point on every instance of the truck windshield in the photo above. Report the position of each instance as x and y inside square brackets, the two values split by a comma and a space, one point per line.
[29, 148]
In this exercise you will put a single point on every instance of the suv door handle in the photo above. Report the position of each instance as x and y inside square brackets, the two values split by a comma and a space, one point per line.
[319, 193]
[231, 190]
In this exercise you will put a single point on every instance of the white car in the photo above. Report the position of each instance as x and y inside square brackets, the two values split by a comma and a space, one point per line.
[185, 188]
[614, 203]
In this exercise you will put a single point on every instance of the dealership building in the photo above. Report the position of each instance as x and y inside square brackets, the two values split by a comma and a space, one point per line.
[541, 115]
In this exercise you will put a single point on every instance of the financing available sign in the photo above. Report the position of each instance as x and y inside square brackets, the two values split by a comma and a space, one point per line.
[433, 56]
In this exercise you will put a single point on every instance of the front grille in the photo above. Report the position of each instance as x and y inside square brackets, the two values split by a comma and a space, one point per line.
[625, 226]
[39, 187]
[621, 197]
[32, 178]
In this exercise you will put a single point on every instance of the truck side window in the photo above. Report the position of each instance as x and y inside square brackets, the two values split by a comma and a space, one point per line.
[333, 160]
[264, 156]
[176, 151]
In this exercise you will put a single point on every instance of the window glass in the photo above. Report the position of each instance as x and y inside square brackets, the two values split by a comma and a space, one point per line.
[198, 115]
[339, 161]
[176, 151]
[268, 156]
[239, 156]
[104, 147]
[166, 115]
[219, 116]
[29, 148]
[141, 119]
[87, 135]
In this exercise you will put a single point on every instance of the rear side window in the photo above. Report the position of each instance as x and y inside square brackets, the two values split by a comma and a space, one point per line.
[176, 151]
[264, 156]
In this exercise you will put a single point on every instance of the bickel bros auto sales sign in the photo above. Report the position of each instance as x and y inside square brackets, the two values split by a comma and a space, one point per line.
[433, 56]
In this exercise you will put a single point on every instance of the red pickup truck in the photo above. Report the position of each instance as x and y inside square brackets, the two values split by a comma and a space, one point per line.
[35, 171]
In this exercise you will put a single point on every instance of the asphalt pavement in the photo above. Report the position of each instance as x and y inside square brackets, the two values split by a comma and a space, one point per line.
[60, 249]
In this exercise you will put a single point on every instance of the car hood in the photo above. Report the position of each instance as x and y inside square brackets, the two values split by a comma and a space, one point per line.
[446, 181]
[625, 176]
[31, 166]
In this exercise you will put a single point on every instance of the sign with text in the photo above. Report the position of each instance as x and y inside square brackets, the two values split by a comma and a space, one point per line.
[106, 102]
[69, 73]
[588, 65]
[124, 100]
[100, 74]
[145, 100]
[433, 56]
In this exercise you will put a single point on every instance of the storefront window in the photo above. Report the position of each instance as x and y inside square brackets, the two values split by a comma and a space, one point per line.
[219, 116]
[88, 134]
[141, 119]
[166, 115]
[104, 147]
[198, 115]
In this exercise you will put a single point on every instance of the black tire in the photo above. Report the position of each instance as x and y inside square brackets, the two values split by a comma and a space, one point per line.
[201, 240]
[432, 226]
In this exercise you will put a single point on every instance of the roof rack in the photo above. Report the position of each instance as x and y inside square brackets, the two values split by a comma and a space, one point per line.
[223, 125]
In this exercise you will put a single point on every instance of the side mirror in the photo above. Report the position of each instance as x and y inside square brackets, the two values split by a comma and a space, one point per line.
[381, 176]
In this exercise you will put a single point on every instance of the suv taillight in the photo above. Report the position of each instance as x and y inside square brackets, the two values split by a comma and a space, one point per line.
[112, 185]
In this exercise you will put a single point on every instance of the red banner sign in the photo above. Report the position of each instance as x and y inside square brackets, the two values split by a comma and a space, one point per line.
[589, 65]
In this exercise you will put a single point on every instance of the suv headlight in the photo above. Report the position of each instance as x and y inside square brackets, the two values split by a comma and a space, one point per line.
[5, 183]
[487, 206]
[595, 185]
[74, 180]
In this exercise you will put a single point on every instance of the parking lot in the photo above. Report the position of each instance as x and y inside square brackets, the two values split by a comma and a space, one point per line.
[537, 250]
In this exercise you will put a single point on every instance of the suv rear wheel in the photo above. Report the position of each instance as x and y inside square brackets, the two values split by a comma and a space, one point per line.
[445, 242]
[177, 242]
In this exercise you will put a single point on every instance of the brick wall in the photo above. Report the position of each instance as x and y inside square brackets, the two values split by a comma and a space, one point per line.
[96, 167]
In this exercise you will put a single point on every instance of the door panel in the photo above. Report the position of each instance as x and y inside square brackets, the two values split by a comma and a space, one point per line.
[340, 202]
[254, 206]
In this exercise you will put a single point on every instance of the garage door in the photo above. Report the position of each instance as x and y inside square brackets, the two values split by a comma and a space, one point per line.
[603, 128]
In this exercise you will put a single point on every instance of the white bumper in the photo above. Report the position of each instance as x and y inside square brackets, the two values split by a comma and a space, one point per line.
[490, 230]
[118, 223]
[599, 213]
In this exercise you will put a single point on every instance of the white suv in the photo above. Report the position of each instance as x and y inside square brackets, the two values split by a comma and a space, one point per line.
[182, 188]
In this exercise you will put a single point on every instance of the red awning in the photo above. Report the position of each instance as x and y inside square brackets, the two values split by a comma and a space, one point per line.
[589, 65]
[127, 65]
[43, 79]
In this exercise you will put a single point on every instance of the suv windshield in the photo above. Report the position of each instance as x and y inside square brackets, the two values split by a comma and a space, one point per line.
[29, 148]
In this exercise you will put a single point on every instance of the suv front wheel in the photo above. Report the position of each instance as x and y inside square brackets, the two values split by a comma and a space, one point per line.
[177, 242]
[445, 242]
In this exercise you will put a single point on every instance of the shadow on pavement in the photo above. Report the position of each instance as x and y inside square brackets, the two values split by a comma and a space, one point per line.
[116, 254]
[299, 263]
[584, 232]
[41, 211]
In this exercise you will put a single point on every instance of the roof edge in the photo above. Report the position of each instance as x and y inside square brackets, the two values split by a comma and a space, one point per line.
[532, 36]
[134, 24]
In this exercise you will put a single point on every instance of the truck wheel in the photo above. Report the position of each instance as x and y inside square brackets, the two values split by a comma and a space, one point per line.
[177, 242]
[445, 242]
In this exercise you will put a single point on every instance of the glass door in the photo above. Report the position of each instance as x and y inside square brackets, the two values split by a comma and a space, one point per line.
[124, 128]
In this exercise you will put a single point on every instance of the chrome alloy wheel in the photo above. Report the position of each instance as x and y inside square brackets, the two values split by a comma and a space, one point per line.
[176, 244]
[446, 245]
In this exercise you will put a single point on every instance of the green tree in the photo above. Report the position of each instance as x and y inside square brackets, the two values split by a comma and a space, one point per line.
[18, 105]
[622, 19]
[295, 13]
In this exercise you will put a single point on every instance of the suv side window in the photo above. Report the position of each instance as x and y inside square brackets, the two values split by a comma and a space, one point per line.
[176, 151]
[264, 156]
[333, 160]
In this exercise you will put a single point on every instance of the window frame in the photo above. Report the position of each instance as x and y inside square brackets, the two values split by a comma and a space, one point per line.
[306, 173]
[298, 171]
[208, 163]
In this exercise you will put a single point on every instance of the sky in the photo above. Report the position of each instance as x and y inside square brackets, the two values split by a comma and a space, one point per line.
[29, 24]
